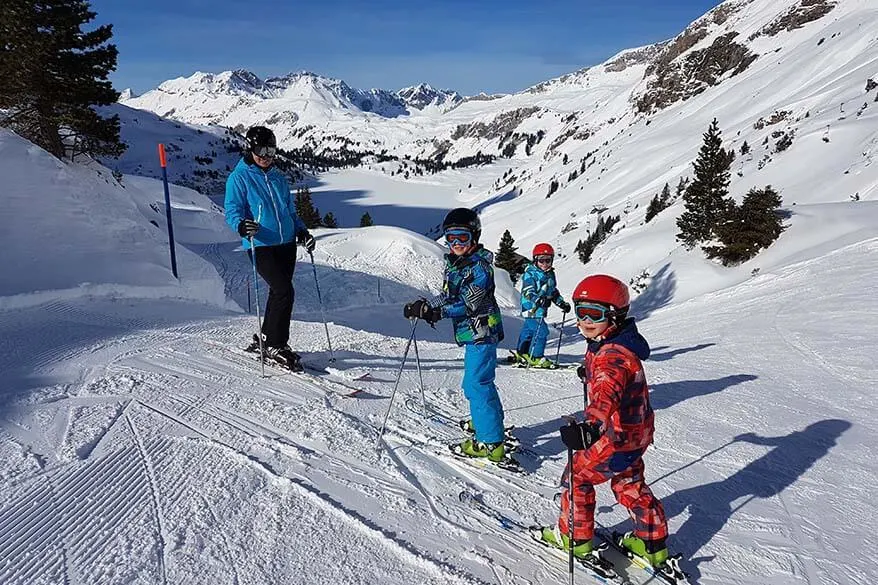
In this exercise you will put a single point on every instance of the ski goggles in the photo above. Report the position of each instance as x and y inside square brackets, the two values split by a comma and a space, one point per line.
[265, 151]
[546, 259]
[592, 312]
[460, 237]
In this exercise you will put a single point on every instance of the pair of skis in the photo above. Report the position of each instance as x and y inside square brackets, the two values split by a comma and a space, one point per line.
[604, 566]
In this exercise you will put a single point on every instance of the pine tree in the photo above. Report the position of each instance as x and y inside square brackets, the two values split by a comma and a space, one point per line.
[658, 203]
[305, 209]
[507, 259]
[747, 229]
[53, 74]
[366, 220]
[329, 220]
[706, 197]
[585, 248]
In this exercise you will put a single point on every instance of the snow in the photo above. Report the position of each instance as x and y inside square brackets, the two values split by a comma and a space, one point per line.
[138, 444]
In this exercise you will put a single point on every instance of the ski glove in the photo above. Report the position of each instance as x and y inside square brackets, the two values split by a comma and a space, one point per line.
[307, 240]
[544, 302]
[421, 309]
[247, 228]
[564, 306]
[580, 436]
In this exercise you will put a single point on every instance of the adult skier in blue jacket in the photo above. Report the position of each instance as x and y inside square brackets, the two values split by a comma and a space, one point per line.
[538, 291]
[468, 300]
[259, 207]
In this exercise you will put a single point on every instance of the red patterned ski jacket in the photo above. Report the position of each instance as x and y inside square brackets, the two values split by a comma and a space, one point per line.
[618, 395]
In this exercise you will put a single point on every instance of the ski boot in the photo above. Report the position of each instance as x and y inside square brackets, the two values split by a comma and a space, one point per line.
[495, 452]
[652, 551]
[655, 554]
[519, 358]
[543, 363]
[254, 344]
[583, 550]
[284, 357]
[509, 440]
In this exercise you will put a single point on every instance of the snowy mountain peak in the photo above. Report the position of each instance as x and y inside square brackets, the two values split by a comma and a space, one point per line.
[423, 95]
[127, 94]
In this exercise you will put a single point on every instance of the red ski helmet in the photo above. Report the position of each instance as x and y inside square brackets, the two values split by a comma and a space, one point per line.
[543, 250]
[603, 289]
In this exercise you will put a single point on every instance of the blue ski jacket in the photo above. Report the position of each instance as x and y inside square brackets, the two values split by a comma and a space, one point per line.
[535, 285]
[263, 196]
[468, 298]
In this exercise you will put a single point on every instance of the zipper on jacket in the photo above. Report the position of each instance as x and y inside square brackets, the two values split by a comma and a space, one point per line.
[280, 225]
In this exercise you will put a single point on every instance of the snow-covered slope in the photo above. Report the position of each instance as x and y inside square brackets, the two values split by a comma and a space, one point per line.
[75, 230]
[139, 445]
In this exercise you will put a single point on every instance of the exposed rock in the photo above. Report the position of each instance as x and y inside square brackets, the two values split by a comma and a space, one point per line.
[499, 126]
[699, 70]
[797, 17]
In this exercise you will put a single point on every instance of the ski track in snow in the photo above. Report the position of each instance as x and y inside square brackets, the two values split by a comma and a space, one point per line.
[217, 475]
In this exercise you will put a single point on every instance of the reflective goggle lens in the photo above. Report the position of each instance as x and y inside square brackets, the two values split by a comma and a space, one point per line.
[265, 151]
[462, 237]
[544, 259]
[594, 313]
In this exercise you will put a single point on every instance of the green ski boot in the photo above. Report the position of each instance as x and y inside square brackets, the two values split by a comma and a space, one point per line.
[543, 363]
[652, 551]
[496, 452]
[552, 536]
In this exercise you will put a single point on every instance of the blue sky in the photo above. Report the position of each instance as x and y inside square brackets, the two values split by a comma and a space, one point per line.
[466, 45]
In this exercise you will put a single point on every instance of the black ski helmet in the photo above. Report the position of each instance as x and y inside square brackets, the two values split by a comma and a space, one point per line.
[465, 218]
[258, 137]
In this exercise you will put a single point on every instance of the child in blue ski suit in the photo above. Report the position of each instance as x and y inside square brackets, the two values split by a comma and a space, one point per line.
[468, 299]
[538, 291]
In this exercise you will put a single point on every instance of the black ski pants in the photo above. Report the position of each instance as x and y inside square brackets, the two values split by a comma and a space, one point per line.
[276, 264]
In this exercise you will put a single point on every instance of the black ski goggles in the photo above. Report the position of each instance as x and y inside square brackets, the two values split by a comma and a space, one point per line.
[592, 312]
[544, 259]
[265, 151]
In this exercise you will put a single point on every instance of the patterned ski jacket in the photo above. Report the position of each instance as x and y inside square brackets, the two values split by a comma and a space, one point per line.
[536, 284]
[618, 395]
[252, 193]
[468, 298]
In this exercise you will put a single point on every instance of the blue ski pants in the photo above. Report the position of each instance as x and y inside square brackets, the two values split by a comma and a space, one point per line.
[532, 339]
[479, 366]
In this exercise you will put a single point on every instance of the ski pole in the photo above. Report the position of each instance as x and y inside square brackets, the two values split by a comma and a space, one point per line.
[570, 517]
[540, 326]
[322, 311]
[256, 293]
[420, 376]
[560, 335]
[396, 385]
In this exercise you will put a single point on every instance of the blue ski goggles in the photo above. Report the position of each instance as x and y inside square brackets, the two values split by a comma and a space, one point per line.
[592, 312]
[458, 237]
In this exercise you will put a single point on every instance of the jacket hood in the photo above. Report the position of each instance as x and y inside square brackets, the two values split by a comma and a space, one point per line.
[627, 336]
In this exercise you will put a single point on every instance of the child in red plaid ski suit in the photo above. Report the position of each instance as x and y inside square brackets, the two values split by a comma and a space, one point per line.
[618, 427]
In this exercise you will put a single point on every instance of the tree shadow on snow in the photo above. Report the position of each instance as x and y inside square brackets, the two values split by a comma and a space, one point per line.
[660, 293]
[668, 355]
[711, 505]
[544, 437]
[671, 393]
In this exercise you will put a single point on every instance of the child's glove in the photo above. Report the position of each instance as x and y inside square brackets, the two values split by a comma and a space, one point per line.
[564, 306]
[580, 436]
[421, 309]
[580, 371]
[543, 302]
